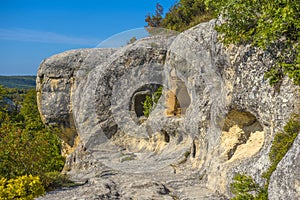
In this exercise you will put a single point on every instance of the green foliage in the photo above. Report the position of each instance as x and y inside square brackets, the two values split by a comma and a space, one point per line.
[244, 186]
[20, 82]
[147, 105]
[185, 14]
[53, 180]
[27, 146]
[266, 24]
[181, 16]
[282, 143]
[25, 152]
[157, 94]
[22, 187]
[151, 101]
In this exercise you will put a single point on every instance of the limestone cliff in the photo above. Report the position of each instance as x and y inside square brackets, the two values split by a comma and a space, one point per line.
[216, 117]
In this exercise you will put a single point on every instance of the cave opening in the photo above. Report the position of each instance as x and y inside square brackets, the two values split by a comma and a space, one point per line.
[137, 100]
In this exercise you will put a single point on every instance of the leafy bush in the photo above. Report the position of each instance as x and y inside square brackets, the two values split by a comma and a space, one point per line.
[147, 105]
[22, 187]
[54, 180]
[28, 147]
[26, 153]
[185, 14]
[181, 16]
[151, 101]
[244, 187]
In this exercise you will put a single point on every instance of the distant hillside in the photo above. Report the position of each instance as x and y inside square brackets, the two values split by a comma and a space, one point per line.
[21, 82]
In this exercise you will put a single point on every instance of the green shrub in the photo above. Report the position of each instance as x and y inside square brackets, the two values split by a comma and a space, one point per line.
[147, 105]
[28, 147]
[151, 101]
[282, 143]
[181, 16]
[24, 152]
[185, 14]
[54, 180]
[22, 187]
[242, 185]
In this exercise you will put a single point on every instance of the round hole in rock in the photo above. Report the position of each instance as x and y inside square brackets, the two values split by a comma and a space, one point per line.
[138, 98]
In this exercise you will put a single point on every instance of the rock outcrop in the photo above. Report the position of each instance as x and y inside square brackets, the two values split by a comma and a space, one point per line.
[216, 117]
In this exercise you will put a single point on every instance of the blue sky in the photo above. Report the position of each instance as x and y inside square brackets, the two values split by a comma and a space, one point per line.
[32, 30]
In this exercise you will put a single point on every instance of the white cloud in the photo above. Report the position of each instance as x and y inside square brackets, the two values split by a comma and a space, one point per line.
[43, 37]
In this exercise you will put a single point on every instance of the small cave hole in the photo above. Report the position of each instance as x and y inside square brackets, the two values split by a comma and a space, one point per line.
[136, 105]
[166, 136]
[194, 149]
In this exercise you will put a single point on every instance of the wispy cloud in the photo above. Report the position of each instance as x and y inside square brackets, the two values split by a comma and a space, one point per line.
[43, 37]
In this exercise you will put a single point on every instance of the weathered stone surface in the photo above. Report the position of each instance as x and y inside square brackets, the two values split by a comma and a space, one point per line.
[57, 79]
[285, 181]
[217, 116]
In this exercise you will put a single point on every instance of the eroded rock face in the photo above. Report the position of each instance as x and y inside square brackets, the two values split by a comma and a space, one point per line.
[216, 117]
[57, 79]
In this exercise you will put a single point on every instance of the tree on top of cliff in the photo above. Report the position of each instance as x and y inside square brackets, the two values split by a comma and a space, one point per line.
[155, 20]
[181, 16]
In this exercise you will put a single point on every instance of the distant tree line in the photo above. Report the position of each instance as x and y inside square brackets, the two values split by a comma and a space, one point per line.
[20, 82]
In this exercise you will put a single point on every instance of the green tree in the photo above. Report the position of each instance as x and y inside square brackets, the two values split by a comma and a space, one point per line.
[31, 113]
[154, 21]
[27, 146]
[185, 14]
[181, 16]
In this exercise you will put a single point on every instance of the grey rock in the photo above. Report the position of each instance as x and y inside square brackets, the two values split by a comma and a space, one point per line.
[216, 117]
[57, 79]
[285, 180]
